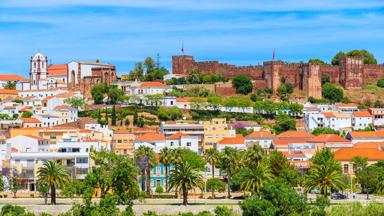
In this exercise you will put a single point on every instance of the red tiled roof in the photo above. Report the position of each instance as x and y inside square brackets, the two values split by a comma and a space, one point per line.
[239, 139]
[9, 91]
[328, 114]
[26, 108]
[189, 99]
[154, 84]
[346, 105]
[323, 138]
[362, 114]
[65, 95]
[177, 135]
[293, 154]
[10, 107]
[62, 107]
[376, 145]
[367, 134]
[58, 70]
[261, 135]
[37, 137]
[30, 120]
[288, 141]
[295, 135]
[11, 77]
[346, 154]
[151, 137]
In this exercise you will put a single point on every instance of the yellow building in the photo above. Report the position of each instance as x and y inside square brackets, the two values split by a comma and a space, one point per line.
[33, 131]
[215, 130]
[123, 142]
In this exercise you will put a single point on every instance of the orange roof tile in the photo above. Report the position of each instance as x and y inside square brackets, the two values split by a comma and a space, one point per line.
[261, 135]
[11, 77]
[189, 99]
[346, 154]
[46, 99]
[295, 135]
[9, 91]
[62, 107]
[151, 137]
[293, 154]
[65, 95]
[288, 141]
[324, 138]
[154, 84]
[37, 137]
[58, 70]
[367, 134]
[26, 108]
[14, 150]
[238, 140]
[30, 120]
[10, 107]
[376, 145]
[362, 114]
[346, 105]
[177, 135]
[328, 114]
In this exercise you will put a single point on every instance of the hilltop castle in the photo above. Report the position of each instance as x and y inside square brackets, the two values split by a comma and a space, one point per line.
[350, 73]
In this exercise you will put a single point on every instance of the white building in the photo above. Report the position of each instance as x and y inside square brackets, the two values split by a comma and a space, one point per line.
[262, 138]
[237, 143]
[153, 140]
[361, 120]
[180, 140]
[28, 143]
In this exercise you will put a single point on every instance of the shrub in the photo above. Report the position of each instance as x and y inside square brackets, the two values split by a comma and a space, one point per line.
[224, 211]
[380, 83]
[159, 189]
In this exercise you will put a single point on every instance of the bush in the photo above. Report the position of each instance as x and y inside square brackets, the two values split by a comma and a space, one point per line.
[224, 211]
[159, 189]
[160, 196]
[356, 209]
[332, 92]
[12, 210]
[32, 195]
[214, 184]
[380, 83]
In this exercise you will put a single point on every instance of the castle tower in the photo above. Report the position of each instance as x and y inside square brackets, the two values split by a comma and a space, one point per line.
[351, 72]
[182, 64]
[311, 80]
[38, 71]
[272, 74]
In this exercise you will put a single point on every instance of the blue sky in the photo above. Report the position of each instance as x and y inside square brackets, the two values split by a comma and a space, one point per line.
[241, 32]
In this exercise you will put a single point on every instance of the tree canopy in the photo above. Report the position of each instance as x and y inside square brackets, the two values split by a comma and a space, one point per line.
[242, 84]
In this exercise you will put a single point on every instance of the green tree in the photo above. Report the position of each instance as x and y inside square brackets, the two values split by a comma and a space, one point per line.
[54, 175]
[369, 58]
[15, 186]
[114, 94]
[230, 163]
[242, 84]
[215, 101]
[137, 73]
[324, 130]
[185, 177]
[295, 109]
[98, 92]
[212, 155]
[113, 115]
[360, 167]
[282, 169]
[254, 179]
[316, 61]
[73, 188]
[10, 85]
[145, 159]
[380, 83]
[166, 158]
[76, 102]
[325, 79]
[26, 114]
[332, 92]
[325, 173]
[284, 123]
[337, 57]
[215, 184]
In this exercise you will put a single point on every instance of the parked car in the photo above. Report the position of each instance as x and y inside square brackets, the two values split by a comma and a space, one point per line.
[338, 195]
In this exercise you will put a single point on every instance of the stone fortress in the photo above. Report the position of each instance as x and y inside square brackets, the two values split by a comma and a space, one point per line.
[350, 73]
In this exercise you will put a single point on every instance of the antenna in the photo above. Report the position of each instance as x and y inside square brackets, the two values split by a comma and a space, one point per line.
[158, 61]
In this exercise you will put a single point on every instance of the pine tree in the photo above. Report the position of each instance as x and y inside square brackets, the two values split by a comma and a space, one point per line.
[135, 118]
[113, 116]
[106, 116]
[99, 116]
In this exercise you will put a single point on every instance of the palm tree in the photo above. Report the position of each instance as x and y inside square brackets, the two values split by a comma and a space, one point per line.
[54, 175]
[145, 159]
[324, 178]
[230, 162]
[166, 158]
[185, 177]
[212, 156]
[254, 179]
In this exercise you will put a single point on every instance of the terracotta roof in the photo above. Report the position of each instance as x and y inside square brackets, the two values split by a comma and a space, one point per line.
[346, 105]
[239, 139]
[46, 99]
[9, 91]
[346, 154]
[261, 135]
[376, 145]
[295, 135]
[323, 138]
[151, 137]
[62, 107]
[293, 154]
[122, 131]
[58, 128]
[58, 70]
[25, 108]
[328, 114]
[362, 114]
[288, 141]
[36, 137]
[154, 84]
[14, 150]
[39, 90]
[30, 120]
[65, 95]
[189, 99]
[367, 134]
[10, 107]
[11, 77]
[177, 135]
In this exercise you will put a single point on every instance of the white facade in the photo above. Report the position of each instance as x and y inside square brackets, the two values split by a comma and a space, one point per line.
[28, 144]
[184, 141]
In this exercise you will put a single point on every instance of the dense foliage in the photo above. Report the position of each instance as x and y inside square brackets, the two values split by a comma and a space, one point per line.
[242, 84]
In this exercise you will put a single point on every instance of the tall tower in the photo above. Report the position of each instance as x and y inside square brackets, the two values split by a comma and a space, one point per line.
[351, 72]
[38, 71]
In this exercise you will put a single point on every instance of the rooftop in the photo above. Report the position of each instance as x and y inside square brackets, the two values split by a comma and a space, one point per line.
[238, 140]
[347, 154]
[324, 138]
[152, 137]
[261, 135]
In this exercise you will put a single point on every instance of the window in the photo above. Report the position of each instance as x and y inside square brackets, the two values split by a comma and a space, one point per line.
[52, 136]
[346, 168]
[75, 149]
[158, 183]
[189, 143]
[171, 143]
[82, 160]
